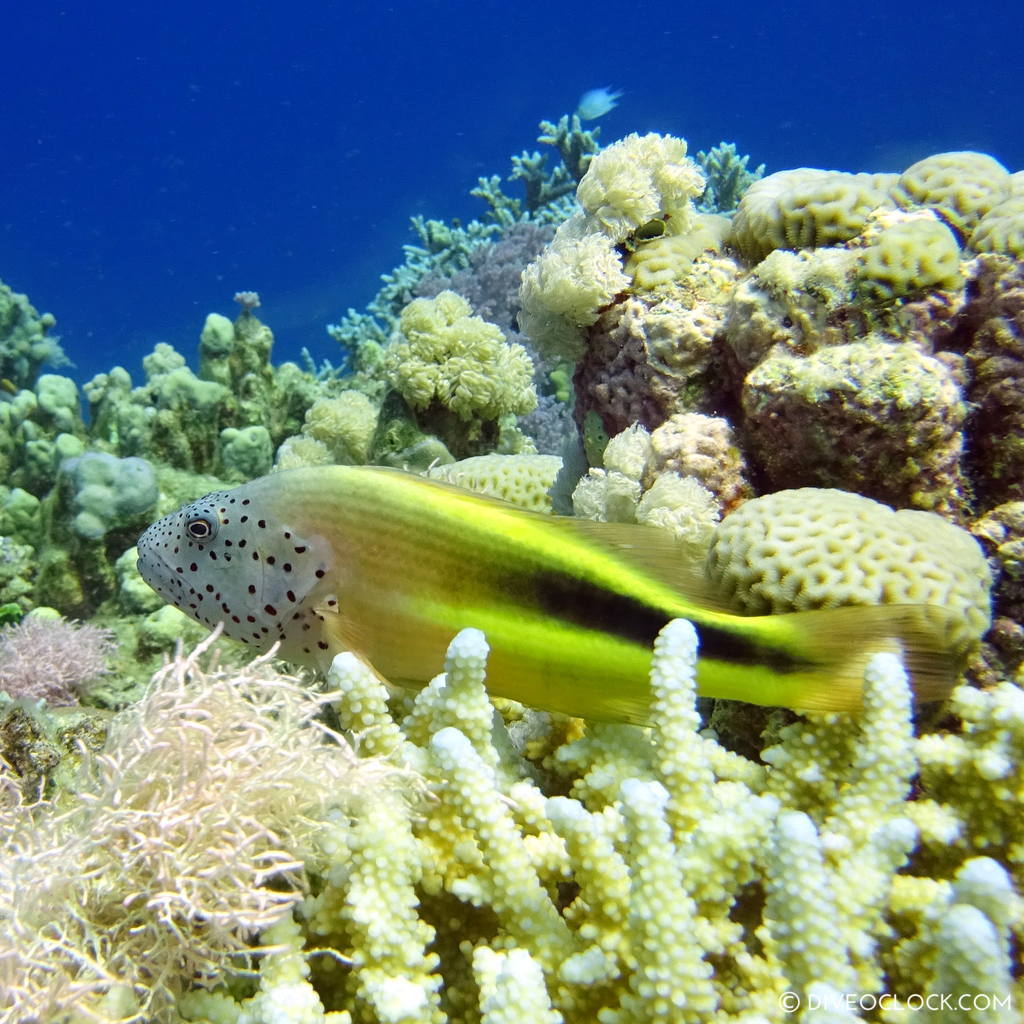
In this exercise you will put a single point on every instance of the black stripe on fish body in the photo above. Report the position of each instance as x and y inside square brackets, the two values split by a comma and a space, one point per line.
[592, 606]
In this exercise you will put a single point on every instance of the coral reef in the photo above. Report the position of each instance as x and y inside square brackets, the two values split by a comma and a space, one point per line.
[524, 480]
[728, 177]
[458, 372]
[597, 874]
[216, 852]
[996, 362]
[25, 346]
[879, 419]
[184, 840]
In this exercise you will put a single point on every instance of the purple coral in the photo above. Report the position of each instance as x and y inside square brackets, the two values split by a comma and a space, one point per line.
[490, 284]
[52, 658]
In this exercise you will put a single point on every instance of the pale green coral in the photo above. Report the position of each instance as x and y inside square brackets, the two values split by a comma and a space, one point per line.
[25, 346]
[523, 480]
[638, 178]
[245, 453]
[963, 186]
[108, 492]
[632, 894]
[446, 355]
[626, 185]
[909, 255]
[636, 486]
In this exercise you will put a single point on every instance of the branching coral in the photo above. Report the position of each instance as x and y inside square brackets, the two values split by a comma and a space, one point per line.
[669, 879]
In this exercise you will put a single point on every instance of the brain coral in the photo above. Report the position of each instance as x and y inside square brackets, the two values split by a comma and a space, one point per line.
[912, 254]
[524, 480]
[872, 417]
[963, 186]
[662, 261]
[805, 208]
[1001, 229]
[810, 548]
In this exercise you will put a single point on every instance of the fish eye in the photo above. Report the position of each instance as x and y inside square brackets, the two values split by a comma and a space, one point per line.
[201, 527]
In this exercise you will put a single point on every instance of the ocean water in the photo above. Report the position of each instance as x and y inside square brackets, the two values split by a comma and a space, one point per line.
[158, 158]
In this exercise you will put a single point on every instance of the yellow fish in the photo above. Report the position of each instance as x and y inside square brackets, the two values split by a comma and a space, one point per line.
[390, 566]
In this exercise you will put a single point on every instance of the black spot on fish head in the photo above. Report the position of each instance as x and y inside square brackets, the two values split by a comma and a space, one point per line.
[227, 559]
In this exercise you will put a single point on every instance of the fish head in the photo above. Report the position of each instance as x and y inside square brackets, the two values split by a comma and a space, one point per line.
[231, 558]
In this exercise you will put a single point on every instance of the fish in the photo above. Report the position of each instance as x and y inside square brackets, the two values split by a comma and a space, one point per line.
[595, 103]
[390, 565]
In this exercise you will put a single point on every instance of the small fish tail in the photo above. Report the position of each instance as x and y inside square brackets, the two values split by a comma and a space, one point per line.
[838, 644]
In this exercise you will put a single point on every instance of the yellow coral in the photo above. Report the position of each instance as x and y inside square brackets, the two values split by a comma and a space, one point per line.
[963, 186]
[665, 260]
[445, 354]
[344, 424]
[524, 480]
[1001, 230]
[914, 254]
[806, 208]
[636, 179]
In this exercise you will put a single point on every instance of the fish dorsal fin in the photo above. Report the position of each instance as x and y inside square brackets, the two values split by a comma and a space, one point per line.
[649, 550]
[655, 553]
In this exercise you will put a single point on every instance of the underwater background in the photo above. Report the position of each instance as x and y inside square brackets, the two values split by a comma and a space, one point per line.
[157, 159]
[725, 712]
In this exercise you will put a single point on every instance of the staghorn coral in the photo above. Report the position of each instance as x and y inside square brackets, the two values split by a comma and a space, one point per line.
[664, 837]
[596, 872]
[728, 177]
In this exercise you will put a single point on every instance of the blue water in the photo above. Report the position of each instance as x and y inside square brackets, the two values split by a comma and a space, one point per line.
[157, 158]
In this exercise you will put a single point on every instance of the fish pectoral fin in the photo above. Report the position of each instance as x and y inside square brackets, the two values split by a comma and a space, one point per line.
[339, 633]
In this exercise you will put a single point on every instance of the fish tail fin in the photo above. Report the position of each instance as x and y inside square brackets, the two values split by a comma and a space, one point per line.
[840, 643]
[827, 652]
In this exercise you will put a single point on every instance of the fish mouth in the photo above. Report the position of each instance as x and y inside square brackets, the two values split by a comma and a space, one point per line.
[153, 569]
